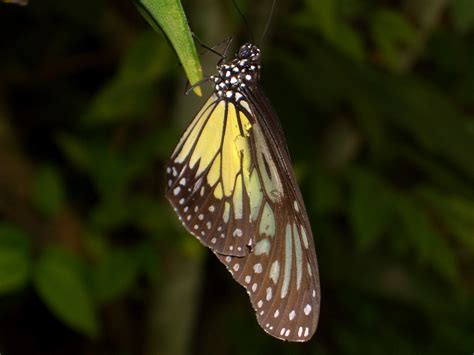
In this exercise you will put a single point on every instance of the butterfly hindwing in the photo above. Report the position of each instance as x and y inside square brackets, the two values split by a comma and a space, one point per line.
[280, 274]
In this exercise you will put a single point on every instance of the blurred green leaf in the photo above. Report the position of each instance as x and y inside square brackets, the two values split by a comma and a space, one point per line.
[48, 191]
[169, 16]
[370, 208]
[110, 213]
[115, 274]
[393, 35]
[95, 245]
[429, 244]
[119, 101]
[326, 192]
[153, 215]
[349, 42]
[426, 114]
[60, 283]
[131, 92]
[110, 172]
[324, 15]
[463, 14]
[14, 258]
[106, 167]
[77, 152]
[457, 212]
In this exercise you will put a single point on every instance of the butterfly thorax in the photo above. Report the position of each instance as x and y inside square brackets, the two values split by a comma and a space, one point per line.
[232, 78]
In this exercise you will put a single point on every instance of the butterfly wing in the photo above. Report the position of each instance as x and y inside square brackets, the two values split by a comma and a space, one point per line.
[281, 273]
[205, 179]
[231, 183]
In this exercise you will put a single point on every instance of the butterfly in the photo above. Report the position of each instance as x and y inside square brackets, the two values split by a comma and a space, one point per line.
[231, 183]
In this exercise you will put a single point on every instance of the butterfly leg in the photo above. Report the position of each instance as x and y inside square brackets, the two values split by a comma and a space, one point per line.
[188, 88]
[212, 49]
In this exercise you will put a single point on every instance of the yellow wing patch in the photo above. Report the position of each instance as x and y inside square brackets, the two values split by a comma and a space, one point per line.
[221, 187]
[189, 136]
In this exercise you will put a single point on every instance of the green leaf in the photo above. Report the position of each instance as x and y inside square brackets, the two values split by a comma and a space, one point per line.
[115, 274]
[110, 213]
[326, 192]
[14, 258]
[48, 191]
[325, 16]
[60, 283]
[349, 42]
[130, 94]
[169, 16]
[76, 151]
[107, 168]
[119, 102]
[462, 12]
[370, 208]
[425, 240]
[108, 172]
[393, 35]
[456, 212]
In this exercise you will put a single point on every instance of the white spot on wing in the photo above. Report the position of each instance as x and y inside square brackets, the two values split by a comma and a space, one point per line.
[237, 232]
[257, 268]
[295, 205]
[304, 237]
[288, 262]
[269, 294]
[298, 256]
[275, 271]
[262, 247]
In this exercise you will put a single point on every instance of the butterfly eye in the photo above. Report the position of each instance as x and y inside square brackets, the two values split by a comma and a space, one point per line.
[244, 52]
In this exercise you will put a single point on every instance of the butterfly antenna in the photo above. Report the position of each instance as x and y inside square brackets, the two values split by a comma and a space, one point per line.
[244, 20]
[267, 25]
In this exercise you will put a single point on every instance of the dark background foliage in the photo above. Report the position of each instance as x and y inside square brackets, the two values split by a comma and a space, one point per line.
[377, 102]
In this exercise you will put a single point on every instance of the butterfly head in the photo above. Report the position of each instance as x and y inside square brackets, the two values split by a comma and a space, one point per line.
[249, 52]
[232, 78]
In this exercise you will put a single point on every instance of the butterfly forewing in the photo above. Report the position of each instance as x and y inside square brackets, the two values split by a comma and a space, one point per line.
[205, 184]
[231, 184]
